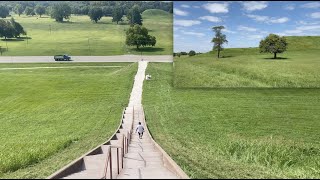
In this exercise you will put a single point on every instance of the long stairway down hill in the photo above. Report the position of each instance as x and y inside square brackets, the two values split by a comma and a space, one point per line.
[143, 160]
[125, 155]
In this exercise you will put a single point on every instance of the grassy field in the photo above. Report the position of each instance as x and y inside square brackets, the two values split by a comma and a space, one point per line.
[246, 67]
[49, 117]
[235, 132]
[82, 37]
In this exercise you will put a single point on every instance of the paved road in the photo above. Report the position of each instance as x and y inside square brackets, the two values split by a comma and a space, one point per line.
[120, 58]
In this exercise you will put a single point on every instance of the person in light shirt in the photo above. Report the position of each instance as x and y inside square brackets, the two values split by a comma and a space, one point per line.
[140, 130]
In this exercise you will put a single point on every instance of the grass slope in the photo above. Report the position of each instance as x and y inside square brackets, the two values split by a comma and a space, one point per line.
[82, 37]
[246, 67]
[49, 117]
[234, 133]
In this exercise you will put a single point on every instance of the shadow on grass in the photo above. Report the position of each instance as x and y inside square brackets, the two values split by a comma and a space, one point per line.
[17, 39]
[276, 58]
[149, 49]
[24, 38]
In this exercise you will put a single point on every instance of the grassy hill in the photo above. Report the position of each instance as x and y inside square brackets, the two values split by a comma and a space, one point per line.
[246, 67]
[80, 36]
[234, 133]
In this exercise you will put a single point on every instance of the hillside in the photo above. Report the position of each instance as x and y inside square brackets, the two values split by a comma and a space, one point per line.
[246, 67]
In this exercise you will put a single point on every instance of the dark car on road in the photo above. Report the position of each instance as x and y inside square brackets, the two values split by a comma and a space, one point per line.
[64, 57]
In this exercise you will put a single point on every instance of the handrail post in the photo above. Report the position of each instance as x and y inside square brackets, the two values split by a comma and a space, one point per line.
[122, 150]
[110, 163]
[118, 160]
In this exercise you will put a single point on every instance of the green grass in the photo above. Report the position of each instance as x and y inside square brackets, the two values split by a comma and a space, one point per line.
[239, 69]
[237, 132]
[246, 67]
[82, 37]
[49, 117]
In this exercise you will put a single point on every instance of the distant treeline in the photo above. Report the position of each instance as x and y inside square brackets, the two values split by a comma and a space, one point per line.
[83, 7]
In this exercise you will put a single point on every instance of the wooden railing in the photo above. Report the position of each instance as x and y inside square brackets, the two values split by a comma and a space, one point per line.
[124, 147]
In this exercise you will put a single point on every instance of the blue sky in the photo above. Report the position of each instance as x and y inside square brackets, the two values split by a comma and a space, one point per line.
[246, 22]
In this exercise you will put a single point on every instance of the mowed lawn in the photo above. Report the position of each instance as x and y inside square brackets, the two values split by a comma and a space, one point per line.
[49, 117]
[82, 37]
[296, 68]
[237, 132]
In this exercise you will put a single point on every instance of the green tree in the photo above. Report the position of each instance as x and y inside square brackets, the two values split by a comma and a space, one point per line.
[95, 14]
[10, 29]
[107, 11]
[18, 9]
[28, 10]
[137, 35]
[4, 11]
[219, 39]
[40, 10]
[192, 53]
[117, 14]
[134, 15]
[17, 29]
[60, 10]
[273, 44]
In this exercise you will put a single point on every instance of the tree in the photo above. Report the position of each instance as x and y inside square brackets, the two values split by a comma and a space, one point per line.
[137, 35]
[107, 11]
[60, 10]
[117, 14]
[95, 14]
[28, 11]
[18, 9]
[192, 53]
[4, 11]
[17, 29]
[10, 29]
[40, 10]
[273, 44]
[219, 39]
[134, 15]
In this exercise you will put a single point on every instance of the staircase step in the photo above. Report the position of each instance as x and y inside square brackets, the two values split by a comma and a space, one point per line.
[86, 174]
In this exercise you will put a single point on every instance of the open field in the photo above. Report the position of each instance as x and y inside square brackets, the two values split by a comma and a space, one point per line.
[51, 116]
[81, 37]
[234, 133]
[246, 67]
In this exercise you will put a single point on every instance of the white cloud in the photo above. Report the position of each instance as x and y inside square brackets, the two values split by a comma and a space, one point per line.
[180, 12]
[306, 28]
[303, 30]
[193, 33]
[315, 15]
[267, 19]
[289, 7]
[245, 28]
[186, 23]
[254, 5]
[228, 31]
[210, 18]
[196, 6]
[312, 5]
[185, 6]
[279, 20]
[216, 7]
[257, 36]
[258, 18]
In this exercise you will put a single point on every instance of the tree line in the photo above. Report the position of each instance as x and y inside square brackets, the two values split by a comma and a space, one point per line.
[79, 7]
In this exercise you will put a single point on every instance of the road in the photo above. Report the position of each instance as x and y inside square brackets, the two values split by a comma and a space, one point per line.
[120, 58]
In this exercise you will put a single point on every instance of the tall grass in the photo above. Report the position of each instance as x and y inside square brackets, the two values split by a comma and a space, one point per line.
[297, 70]
[234, 132]
[49, 117]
